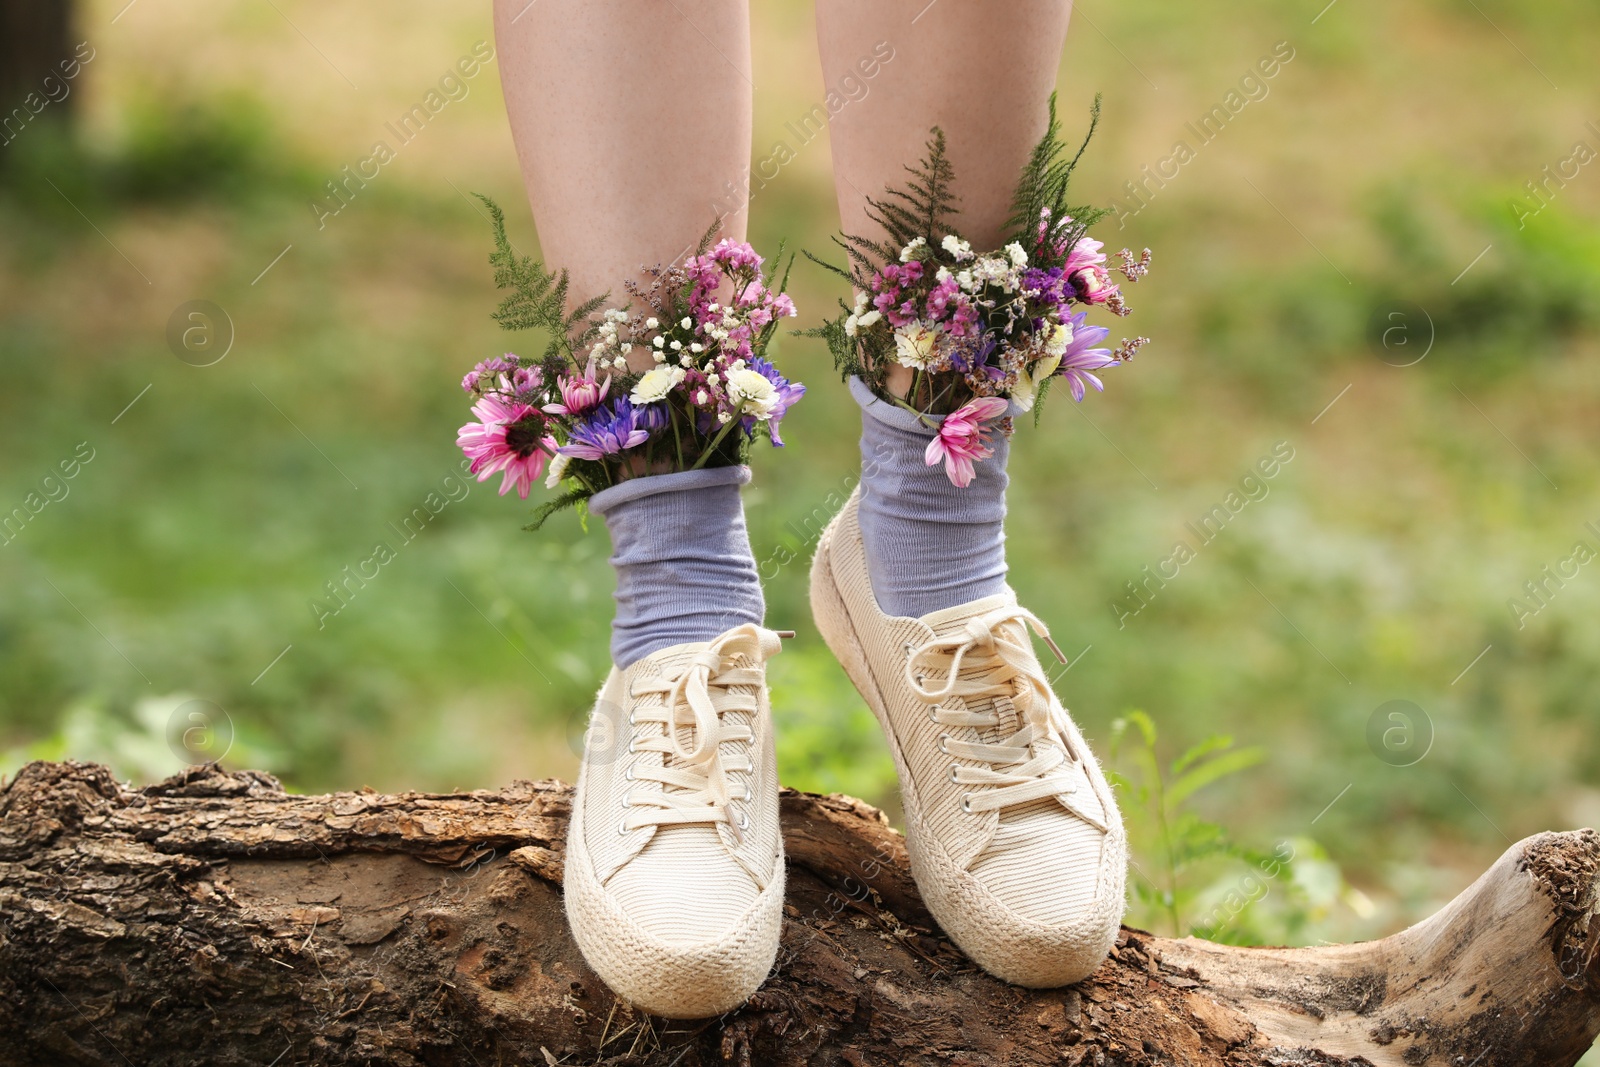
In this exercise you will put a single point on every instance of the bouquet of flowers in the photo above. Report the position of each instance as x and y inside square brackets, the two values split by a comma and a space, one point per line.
[982, 333]
[585, 418]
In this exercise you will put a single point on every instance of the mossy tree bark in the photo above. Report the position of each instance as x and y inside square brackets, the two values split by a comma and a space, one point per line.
[214, 919]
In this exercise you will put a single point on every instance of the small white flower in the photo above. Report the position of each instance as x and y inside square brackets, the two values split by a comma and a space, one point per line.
[713, 378]
[697, 347]
[1029, 379]
[723, 418]
[655, 384]
[660, 357]
[1059, 338]
[914, 345]
[869, 318]
[676, 346]
[1019, 258]
[966, 281]
[702, 397]
[557, 468]
[625, 347]
[850, 326]
[909, 251]
[713, 307]
[956, 246]
[942, 275]
[659, 342]
[651, 323]
[686, 322]
[861, 303]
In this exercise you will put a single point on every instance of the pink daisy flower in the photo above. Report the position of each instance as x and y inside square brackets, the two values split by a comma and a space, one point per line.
[960, 439]
[580, 393]
[508, 438]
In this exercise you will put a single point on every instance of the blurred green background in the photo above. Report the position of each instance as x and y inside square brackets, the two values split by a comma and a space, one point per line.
[1341, 274]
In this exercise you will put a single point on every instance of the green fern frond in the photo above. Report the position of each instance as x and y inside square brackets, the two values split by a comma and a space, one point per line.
[570, 498]
[1046, 177]
[537, 298]
[922, 207]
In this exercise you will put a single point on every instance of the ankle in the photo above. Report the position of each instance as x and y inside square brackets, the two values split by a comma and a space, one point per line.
[682, 557]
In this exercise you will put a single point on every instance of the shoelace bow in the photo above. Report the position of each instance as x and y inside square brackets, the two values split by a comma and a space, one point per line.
[694, 771]
[979, 662]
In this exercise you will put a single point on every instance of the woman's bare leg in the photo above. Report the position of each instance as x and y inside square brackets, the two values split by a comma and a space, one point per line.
[979, 70]
[631, 118]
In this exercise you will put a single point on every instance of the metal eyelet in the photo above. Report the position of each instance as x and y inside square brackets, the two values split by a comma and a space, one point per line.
[933, 712]
[744, 821]
[748, 796]
[966, 803]
[942, 746]
[627, 775]
[631, 749]
[632, 717]
[622, 828]
[953, 769]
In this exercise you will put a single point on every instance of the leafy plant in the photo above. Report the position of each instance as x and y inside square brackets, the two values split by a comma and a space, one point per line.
[1174, 848]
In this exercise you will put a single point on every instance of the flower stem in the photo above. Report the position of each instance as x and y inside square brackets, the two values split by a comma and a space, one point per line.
[926, 421]
[672, 413]
[715, 441]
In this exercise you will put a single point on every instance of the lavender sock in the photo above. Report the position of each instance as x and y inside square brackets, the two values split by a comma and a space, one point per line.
[929, 544]
[682, 557]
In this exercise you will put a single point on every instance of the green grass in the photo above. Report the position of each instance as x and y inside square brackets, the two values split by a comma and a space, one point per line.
[187, 554]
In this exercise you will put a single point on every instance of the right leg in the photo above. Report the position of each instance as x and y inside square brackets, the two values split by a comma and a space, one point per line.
[632, 124]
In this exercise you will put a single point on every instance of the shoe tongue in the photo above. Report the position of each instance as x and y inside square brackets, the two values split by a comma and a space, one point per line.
[947, 621]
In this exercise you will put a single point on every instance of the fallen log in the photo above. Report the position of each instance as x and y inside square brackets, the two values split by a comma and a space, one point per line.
[215, 919]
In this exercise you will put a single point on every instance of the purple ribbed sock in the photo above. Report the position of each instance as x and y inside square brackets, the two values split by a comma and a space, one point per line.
[929, 544]
[683, 562]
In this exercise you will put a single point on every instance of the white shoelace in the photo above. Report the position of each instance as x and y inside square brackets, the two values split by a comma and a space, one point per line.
[980, 664]
[694, 775]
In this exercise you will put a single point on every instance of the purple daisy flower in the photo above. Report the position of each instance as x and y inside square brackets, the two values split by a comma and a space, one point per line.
[613, 427]
[1080, 360]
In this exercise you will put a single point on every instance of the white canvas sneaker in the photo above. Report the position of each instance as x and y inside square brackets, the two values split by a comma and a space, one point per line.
[674, 863]
[1014, 837]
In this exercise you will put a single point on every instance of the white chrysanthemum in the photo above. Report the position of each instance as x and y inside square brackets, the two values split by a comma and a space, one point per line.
[655, 384]
[1019, 258]
[1059, 338]
[914, 346]
[752, 393]
[557, 470]
[909, 252]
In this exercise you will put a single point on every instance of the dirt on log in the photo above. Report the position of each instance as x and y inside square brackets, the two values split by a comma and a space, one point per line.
[215, 919]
